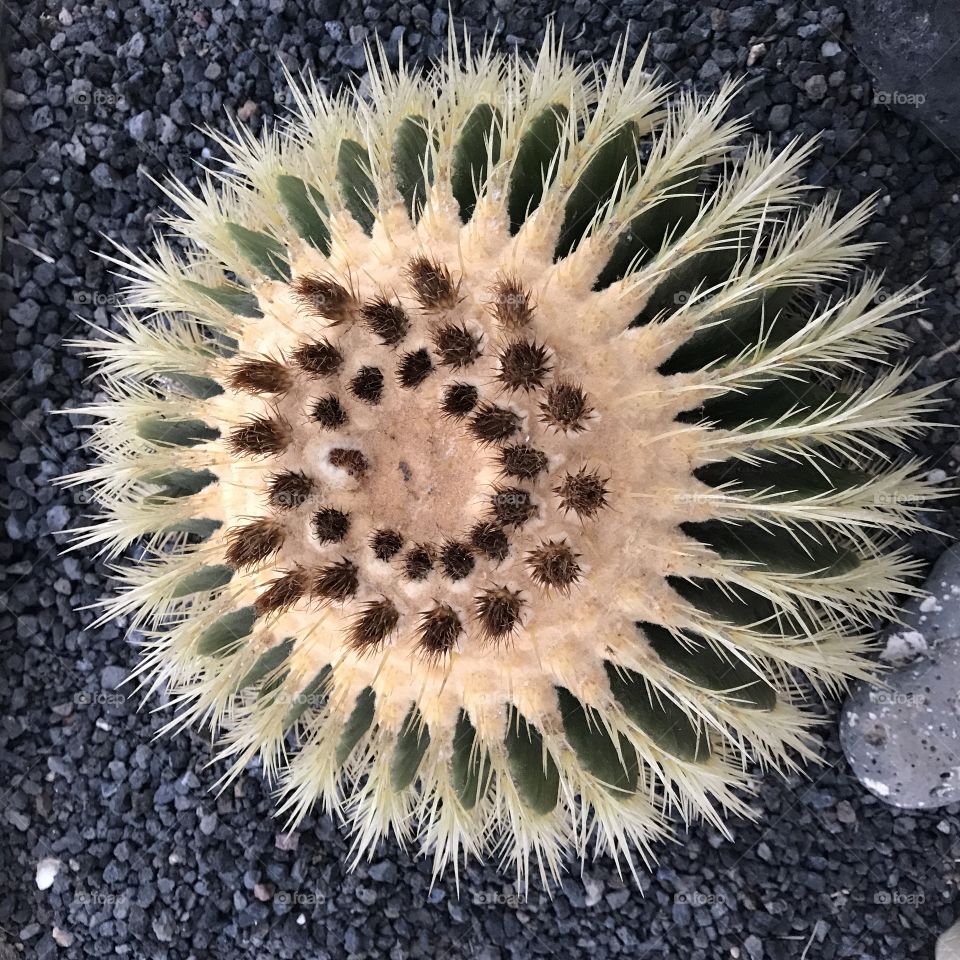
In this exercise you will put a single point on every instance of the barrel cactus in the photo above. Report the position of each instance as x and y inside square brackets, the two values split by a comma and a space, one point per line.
[510, 454]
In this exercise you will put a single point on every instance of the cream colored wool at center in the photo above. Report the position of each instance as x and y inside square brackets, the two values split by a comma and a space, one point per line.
[564, 639]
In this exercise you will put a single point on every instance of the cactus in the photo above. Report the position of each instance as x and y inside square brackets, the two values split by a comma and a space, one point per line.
[508, 459]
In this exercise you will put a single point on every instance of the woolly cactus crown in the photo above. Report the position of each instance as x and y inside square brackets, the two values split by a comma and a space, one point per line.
[503, 476]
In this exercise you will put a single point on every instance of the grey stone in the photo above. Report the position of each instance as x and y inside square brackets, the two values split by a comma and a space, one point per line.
[816, 87]
[948, 943]
[902, 740]
[743, 18]
[102, 176]
[352, 56]
[58, 516]
[112, 677]
[25, 312]
[780, 117]
[14, 99]
[140, 127]
[754, 947]
[41, 119]
[912, 47]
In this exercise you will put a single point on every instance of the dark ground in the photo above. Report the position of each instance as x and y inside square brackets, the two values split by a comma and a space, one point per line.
[154, 865]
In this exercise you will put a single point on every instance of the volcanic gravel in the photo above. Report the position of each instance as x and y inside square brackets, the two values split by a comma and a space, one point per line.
[153, 863]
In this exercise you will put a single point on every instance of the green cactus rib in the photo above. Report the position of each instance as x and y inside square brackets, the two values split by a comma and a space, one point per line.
[264, 253]
[470, 768]
[783, 481]
[769, 315]
[179, 433]
[203, 388]
[701, 664]
[746, 609]
[412, 163]
[313, 695]
[233, 299]
[222, 637]
[614, 764]
[200, 527]
[268, 662]
[361, 717]
[412, 743]
[181, 483]
[356, 188]
[534, 163]
[799, 551]
[613, 167]
[667, 724]
[769, 403]
[470, 156]
[211, 577]
[670, 213]
[306, 210]
[532, 768]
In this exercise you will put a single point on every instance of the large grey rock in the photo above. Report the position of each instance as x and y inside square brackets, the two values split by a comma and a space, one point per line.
[903, 740]
[948, 944]
[912, 49]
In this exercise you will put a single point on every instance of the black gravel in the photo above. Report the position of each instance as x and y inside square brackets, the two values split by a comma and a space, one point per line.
[103, 96]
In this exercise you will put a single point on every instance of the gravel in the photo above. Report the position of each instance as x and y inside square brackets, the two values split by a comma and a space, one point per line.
[101, 98]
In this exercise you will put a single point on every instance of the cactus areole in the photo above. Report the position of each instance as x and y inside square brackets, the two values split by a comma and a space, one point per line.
[508, 460]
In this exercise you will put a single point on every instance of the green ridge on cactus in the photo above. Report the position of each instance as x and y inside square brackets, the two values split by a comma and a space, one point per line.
[357, 725]
[532, 768]
[221, 638]
[268, 661]
[236, 300]
[700, 663]
[359, 193]
[469, 765]
[615, 764]
[310, 697]
[412, 743]
[206, 578]
[669, 726]
[412, 163]
[265, 254]
[469, 166]
[534, 163]
[306, 209]
[181, 433]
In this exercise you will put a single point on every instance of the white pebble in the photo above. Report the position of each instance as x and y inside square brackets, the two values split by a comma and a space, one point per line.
[47, 870]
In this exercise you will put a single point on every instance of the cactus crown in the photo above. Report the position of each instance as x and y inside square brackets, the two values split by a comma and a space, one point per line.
[503, 473]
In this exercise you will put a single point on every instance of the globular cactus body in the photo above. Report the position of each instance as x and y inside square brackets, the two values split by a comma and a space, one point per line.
[504, 477]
